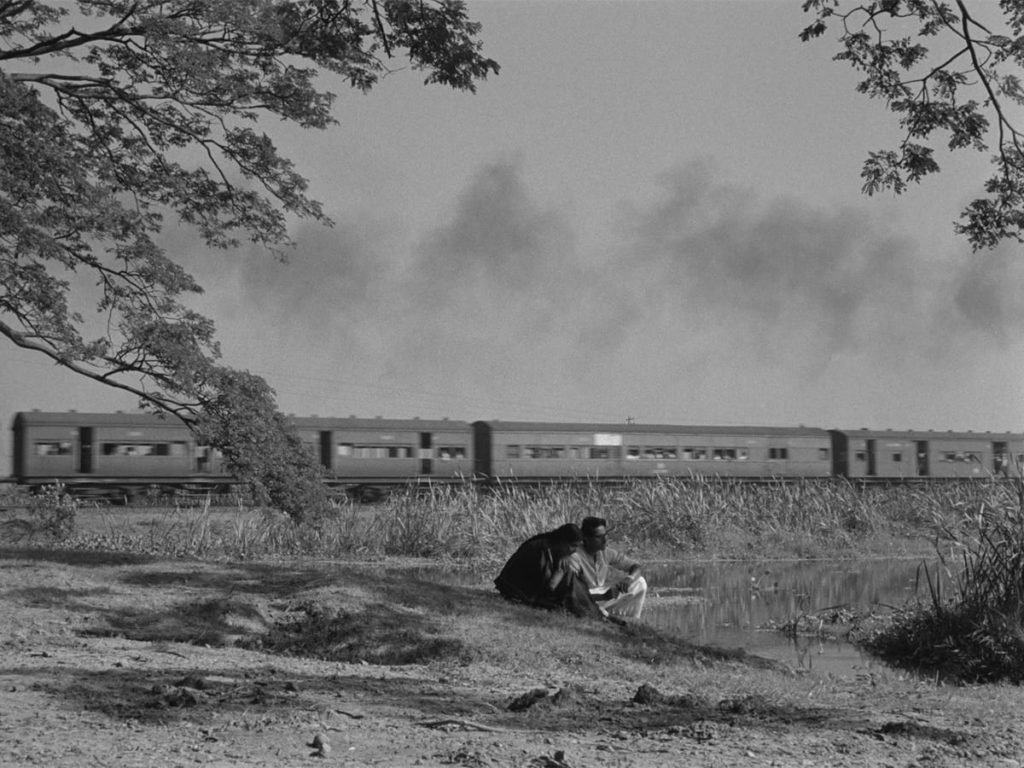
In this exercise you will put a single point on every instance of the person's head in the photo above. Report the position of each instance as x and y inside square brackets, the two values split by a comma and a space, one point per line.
[595, 534]
[566, 539]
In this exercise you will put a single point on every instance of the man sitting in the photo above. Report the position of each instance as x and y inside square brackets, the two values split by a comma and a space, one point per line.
[625, 597]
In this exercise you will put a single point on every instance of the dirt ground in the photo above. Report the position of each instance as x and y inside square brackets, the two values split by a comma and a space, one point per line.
[119, 660]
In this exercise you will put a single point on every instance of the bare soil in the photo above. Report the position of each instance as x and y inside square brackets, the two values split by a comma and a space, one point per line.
[123, 660]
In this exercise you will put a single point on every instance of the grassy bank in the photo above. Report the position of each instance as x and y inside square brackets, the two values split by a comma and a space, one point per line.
[165, 661]
[968, 626]
[141, 623]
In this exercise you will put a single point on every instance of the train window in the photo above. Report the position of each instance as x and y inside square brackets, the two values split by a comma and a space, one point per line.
[659, 452]
[823, 454]
[694, 454]
[897, 457]
[605, 452]
[544, 451]
[53, 448]
[512, 452]
[123, 449]
[344, 450]
[450, 452]
[654, 452]
[780, 454]
[378, 451]
[742, 454]
[723, 454]
[961, 456]
[861, 456]
[177, 448]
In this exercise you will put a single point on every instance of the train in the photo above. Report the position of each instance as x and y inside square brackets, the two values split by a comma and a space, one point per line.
[125, 454]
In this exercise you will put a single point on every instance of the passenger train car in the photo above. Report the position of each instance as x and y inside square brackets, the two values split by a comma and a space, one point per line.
[372, 451]
[123, 453]
[864, 453]
[510, 450]
[116, 452]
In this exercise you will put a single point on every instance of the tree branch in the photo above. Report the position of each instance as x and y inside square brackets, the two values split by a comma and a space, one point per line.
[187, 411]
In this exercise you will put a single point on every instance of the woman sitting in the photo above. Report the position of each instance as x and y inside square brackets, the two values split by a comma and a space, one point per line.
[542, 573]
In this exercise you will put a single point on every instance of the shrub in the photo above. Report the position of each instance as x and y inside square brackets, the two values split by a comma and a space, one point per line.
[969, 629]
[50, 512]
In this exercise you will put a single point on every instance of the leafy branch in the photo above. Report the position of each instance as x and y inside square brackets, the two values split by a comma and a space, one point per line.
[122, 113]
[965, 97]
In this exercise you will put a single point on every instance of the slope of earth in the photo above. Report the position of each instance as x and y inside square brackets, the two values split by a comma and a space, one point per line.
[123, 660]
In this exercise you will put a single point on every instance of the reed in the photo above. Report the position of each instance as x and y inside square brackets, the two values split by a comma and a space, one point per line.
[659, 519]
[968, 624]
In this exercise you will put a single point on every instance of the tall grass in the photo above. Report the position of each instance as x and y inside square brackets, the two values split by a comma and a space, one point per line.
[663, 519]
[968, 625]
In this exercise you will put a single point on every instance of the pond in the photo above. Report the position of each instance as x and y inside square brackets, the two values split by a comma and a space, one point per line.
[735, 605]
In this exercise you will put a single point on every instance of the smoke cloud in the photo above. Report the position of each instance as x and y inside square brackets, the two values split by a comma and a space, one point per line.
[705, 302]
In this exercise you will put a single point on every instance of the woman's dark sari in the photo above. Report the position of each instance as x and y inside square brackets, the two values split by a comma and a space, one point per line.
[538, 574]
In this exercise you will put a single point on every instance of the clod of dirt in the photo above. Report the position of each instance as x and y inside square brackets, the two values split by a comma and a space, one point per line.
[527, 700]
[320, 745]
[556, 760]
[174, 696]
[752, 704]
[568, 696]
[700, 730]
[466, 757]
[648, 694]
[192, 681]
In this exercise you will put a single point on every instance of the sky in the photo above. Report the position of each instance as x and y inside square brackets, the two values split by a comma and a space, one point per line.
[653, 212]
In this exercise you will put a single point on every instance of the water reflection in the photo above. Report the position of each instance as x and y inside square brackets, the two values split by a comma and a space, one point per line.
[732, 604]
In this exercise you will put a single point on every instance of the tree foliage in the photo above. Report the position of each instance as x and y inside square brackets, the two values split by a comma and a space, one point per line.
[117, 115]
[950, 75]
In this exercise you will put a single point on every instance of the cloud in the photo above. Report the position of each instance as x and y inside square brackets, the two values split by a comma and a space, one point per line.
[987, 293]
[497, 250]
[496, 275]
[777, 269]
[704, 297]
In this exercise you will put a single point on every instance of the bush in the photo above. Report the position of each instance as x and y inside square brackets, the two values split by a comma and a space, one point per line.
[970, 627]
[50, 512]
